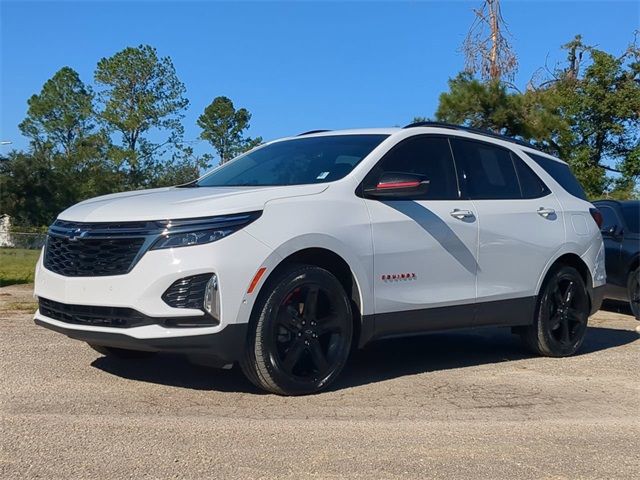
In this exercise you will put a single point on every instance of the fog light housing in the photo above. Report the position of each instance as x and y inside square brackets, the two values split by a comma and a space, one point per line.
[211, 302]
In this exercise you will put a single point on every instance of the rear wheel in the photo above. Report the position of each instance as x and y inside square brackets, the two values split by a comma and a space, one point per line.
[633, 286]
[300, 333]
[121, 352]
[562, 311]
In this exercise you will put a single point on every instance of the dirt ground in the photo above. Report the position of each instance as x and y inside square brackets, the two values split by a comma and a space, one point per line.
[463, 405]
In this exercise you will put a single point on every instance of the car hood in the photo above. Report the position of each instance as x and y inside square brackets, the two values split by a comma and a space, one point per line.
[176, 202]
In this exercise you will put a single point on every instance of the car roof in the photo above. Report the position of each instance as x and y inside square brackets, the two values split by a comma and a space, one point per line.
[451, 130]
[349, 131]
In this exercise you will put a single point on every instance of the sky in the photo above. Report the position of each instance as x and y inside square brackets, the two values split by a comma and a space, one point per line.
[295, 66]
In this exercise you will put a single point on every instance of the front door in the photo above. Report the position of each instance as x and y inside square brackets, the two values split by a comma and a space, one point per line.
[425, 248]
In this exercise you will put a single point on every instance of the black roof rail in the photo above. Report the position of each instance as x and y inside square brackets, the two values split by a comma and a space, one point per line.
[311, 131]
[479, 131]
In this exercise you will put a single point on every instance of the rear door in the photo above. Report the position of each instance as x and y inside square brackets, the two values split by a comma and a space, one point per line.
[520, 226]
[612, 235]
[424, 247]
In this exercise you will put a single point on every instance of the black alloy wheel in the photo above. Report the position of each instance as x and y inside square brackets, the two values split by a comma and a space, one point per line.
[561, 316]
[301, 336]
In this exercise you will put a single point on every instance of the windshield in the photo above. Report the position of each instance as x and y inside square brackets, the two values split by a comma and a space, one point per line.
[295, 162]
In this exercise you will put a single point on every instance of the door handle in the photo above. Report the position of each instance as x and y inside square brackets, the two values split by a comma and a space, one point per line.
[545, 212]
[460, 214]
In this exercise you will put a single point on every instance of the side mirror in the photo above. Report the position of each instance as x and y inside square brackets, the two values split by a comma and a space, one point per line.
[398, 185]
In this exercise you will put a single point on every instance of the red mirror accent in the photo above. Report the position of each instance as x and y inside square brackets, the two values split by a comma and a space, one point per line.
[412, 184]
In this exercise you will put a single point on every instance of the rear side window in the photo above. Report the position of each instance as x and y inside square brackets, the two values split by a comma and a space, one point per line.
[561, 174]
[530, 184]
[486, 171]
[426, 155]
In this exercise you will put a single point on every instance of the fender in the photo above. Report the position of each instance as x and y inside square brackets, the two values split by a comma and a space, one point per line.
[303, 242]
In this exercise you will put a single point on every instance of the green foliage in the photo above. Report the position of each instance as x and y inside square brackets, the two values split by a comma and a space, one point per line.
[223, 126]
[591, 118]
[479, 104]
[60, 117]
[141, 93]
[66, 159]
[83, 145]
[28, 188]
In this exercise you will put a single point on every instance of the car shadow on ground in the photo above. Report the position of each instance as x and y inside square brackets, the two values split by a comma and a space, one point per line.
[383, 360]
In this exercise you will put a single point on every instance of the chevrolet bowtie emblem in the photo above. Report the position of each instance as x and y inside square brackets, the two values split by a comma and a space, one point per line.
[76, 234]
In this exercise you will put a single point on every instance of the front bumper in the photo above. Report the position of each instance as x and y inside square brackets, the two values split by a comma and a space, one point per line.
[223, 347]
[597, 295]
[234, 260]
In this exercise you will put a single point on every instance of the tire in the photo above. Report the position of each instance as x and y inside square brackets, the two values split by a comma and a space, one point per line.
[561, 315]
[121, 352]
[633, 289]
[300, 333]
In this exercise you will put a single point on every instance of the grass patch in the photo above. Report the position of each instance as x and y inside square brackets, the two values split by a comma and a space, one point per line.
[17, 265]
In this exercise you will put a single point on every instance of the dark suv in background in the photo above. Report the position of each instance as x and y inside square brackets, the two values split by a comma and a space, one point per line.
[621, 234]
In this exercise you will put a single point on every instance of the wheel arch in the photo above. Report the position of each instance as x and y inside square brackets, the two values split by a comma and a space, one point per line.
[572, 260]
[635, 262]
[333, 262]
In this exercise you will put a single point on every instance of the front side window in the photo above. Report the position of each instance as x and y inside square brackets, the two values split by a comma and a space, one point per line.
[427, 156]
[487, 172]
[297, 161]
[631, 214]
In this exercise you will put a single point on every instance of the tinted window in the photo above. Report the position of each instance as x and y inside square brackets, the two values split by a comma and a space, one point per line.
[428, 156]
[631, 213]
[295, 162]
[530, 184]
[487, 171]
[561, 174]
[609, 217]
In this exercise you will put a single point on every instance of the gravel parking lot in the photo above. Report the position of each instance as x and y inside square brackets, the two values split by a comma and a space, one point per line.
[463, 405]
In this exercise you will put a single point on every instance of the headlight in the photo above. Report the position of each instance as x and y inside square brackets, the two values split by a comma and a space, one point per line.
[190, 238]
[198, 231]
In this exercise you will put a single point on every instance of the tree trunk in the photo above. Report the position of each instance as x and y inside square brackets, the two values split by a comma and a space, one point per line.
[494, 69]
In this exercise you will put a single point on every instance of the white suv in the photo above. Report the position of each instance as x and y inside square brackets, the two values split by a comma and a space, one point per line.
[290, 255]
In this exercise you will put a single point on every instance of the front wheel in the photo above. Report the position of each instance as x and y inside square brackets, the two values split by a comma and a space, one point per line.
[300, 332]
[633, 286]
[562, 311]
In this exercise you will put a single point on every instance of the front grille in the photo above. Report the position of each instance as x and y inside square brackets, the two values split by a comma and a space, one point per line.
[187, 292]
[76, 249]
[91, 315]
[116, 317]
[89, 257]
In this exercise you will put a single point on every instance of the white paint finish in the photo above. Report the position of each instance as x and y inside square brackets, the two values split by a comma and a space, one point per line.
[144, 332]
[579, 224]
[423, 238]
[175, 203]
[515, 245]
[509, 245]
[336, 220]
[234, 259]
